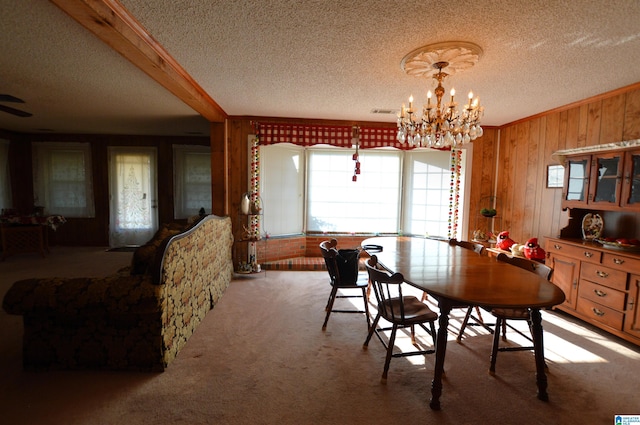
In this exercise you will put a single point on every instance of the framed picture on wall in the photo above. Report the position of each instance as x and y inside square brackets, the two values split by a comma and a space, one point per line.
[555, 176]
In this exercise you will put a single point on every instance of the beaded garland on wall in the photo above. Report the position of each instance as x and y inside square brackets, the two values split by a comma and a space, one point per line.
[254, 225]
[454, 192]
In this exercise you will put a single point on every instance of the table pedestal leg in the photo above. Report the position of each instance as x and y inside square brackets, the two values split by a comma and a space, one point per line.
[538, 348]
[441, 349]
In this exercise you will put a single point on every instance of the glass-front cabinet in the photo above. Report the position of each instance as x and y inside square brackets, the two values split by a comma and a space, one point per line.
[604, 181]
[631, 181]
[576, 184]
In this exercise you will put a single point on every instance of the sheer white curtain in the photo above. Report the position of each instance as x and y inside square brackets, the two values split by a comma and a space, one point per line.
[62, 181]
[191, 180]
[133, 214]
[5, 177]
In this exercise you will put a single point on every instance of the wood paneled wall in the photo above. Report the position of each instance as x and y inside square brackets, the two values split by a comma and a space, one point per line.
[525, 148]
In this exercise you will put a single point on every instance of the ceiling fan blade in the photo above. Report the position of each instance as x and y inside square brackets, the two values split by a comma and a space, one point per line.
[9, 98]
[13, 111]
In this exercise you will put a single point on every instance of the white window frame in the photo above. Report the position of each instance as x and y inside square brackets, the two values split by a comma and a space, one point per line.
[341, 205]
[434, 181]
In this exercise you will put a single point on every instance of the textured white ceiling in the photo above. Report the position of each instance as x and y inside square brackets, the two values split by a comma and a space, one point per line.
[312, 59]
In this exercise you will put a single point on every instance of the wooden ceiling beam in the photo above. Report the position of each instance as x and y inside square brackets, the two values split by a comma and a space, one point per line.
[115, 25]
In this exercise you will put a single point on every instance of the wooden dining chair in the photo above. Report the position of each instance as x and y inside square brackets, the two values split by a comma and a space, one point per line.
[402, 311]
[504, 314]
[344, 275]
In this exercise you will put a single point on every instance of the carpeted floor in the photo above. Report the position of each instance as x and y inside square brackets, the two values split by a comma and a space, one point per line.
[260, 357]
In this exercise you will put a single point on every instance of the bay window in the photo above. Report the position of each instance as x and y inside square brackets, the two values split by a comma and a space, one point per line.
[396, 192]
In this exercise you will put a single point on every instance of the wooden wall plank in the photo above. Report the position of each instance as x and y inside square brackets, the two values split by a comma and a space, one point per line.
[632, 116]
[593, 123]
[532, 179]
[612, 125]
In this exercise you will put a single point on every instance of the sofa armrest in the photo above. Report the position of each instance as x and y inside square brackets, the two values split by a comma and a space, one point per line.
[71, 296]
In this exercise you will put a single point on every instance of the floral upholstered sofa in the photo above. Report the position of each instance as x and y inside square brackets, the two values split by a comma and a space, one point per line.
[136, 319]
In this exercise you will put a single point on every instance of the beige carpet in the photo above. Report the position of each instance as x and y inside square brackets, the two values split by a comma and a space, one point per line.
[260, 357]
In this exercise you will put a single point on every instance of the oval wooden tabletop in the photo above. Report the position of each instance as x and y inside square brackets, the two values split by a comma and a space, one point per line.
[462, 275]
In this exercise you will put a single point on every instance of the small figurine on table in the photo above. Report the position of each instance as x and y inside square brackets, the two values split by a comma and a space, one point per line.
[533, 251]
[504, 241]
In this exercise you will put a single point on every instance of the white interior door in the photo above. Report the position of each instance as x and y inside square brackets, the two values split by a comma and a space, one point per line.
[133, 212]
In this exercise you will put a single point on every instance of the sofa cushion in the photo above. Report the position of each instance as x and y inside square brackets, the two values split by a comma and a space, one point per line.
[144, 256]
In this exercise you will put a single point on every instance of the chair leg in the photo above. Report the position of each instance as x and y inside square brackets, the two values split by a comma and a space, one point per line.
[392, 340]
[496, 341]
[424, 297]
[366, 307]
[332, 298]
[413, 334]
[464, 324]
[433, 333]
[546, 366]
[372, 329]
[504, 330]
[479, 315]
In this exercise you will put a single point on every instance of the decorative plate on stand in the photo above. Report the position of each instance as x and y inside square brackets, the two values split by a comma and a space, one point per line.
[592, 225]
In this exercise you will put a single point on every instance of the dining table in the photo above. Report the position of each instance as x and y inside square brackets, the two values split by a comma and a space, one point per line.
[456, 276]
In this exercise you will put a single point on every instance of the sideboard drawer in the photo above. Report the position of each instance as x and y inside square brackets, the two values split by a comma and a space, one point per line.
[621, 262]
[575, 251]
[600, 313]
[604, 275]
[602, 295]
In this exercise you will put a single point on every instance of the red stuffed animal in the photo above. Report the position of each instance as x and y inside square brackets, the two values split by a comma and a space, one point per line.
[532, 250]
[504, 241]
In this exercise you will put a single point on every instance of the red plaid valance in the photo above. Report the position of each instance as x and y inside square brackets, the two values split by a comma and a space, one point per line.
[305, 135]
[342, 136]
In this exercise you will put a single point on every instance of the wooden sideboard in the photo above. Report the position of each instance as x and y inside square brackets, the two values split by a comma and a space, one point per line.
[601, 285]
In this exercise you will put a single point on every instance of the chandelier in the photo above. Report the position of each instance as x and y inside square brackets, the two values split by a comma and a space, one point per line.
[442, 125]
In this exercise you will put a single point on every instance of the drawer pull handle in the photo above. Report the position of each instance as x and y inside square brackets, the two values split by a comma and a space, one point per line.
[600, 293]
[588, 254]
[602, 274]
[618, 260]
[597, 312]
[556, 246]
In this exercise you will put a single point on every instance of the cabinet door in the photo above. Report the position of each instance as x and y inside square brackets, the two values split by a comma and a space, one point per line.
[632, 313]
[606, 177]
[576, 182]
[565, 276]
[630, 198]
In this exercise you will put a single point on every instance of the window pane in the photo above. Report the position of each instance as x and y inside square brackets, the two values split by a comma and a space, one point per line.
[427, 193]
[62, 178]
[338, 204]
[192, 180]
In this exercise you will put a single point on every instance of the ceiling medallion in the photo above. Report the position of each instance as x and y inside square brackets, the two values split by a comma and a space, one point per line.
[441, 126]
